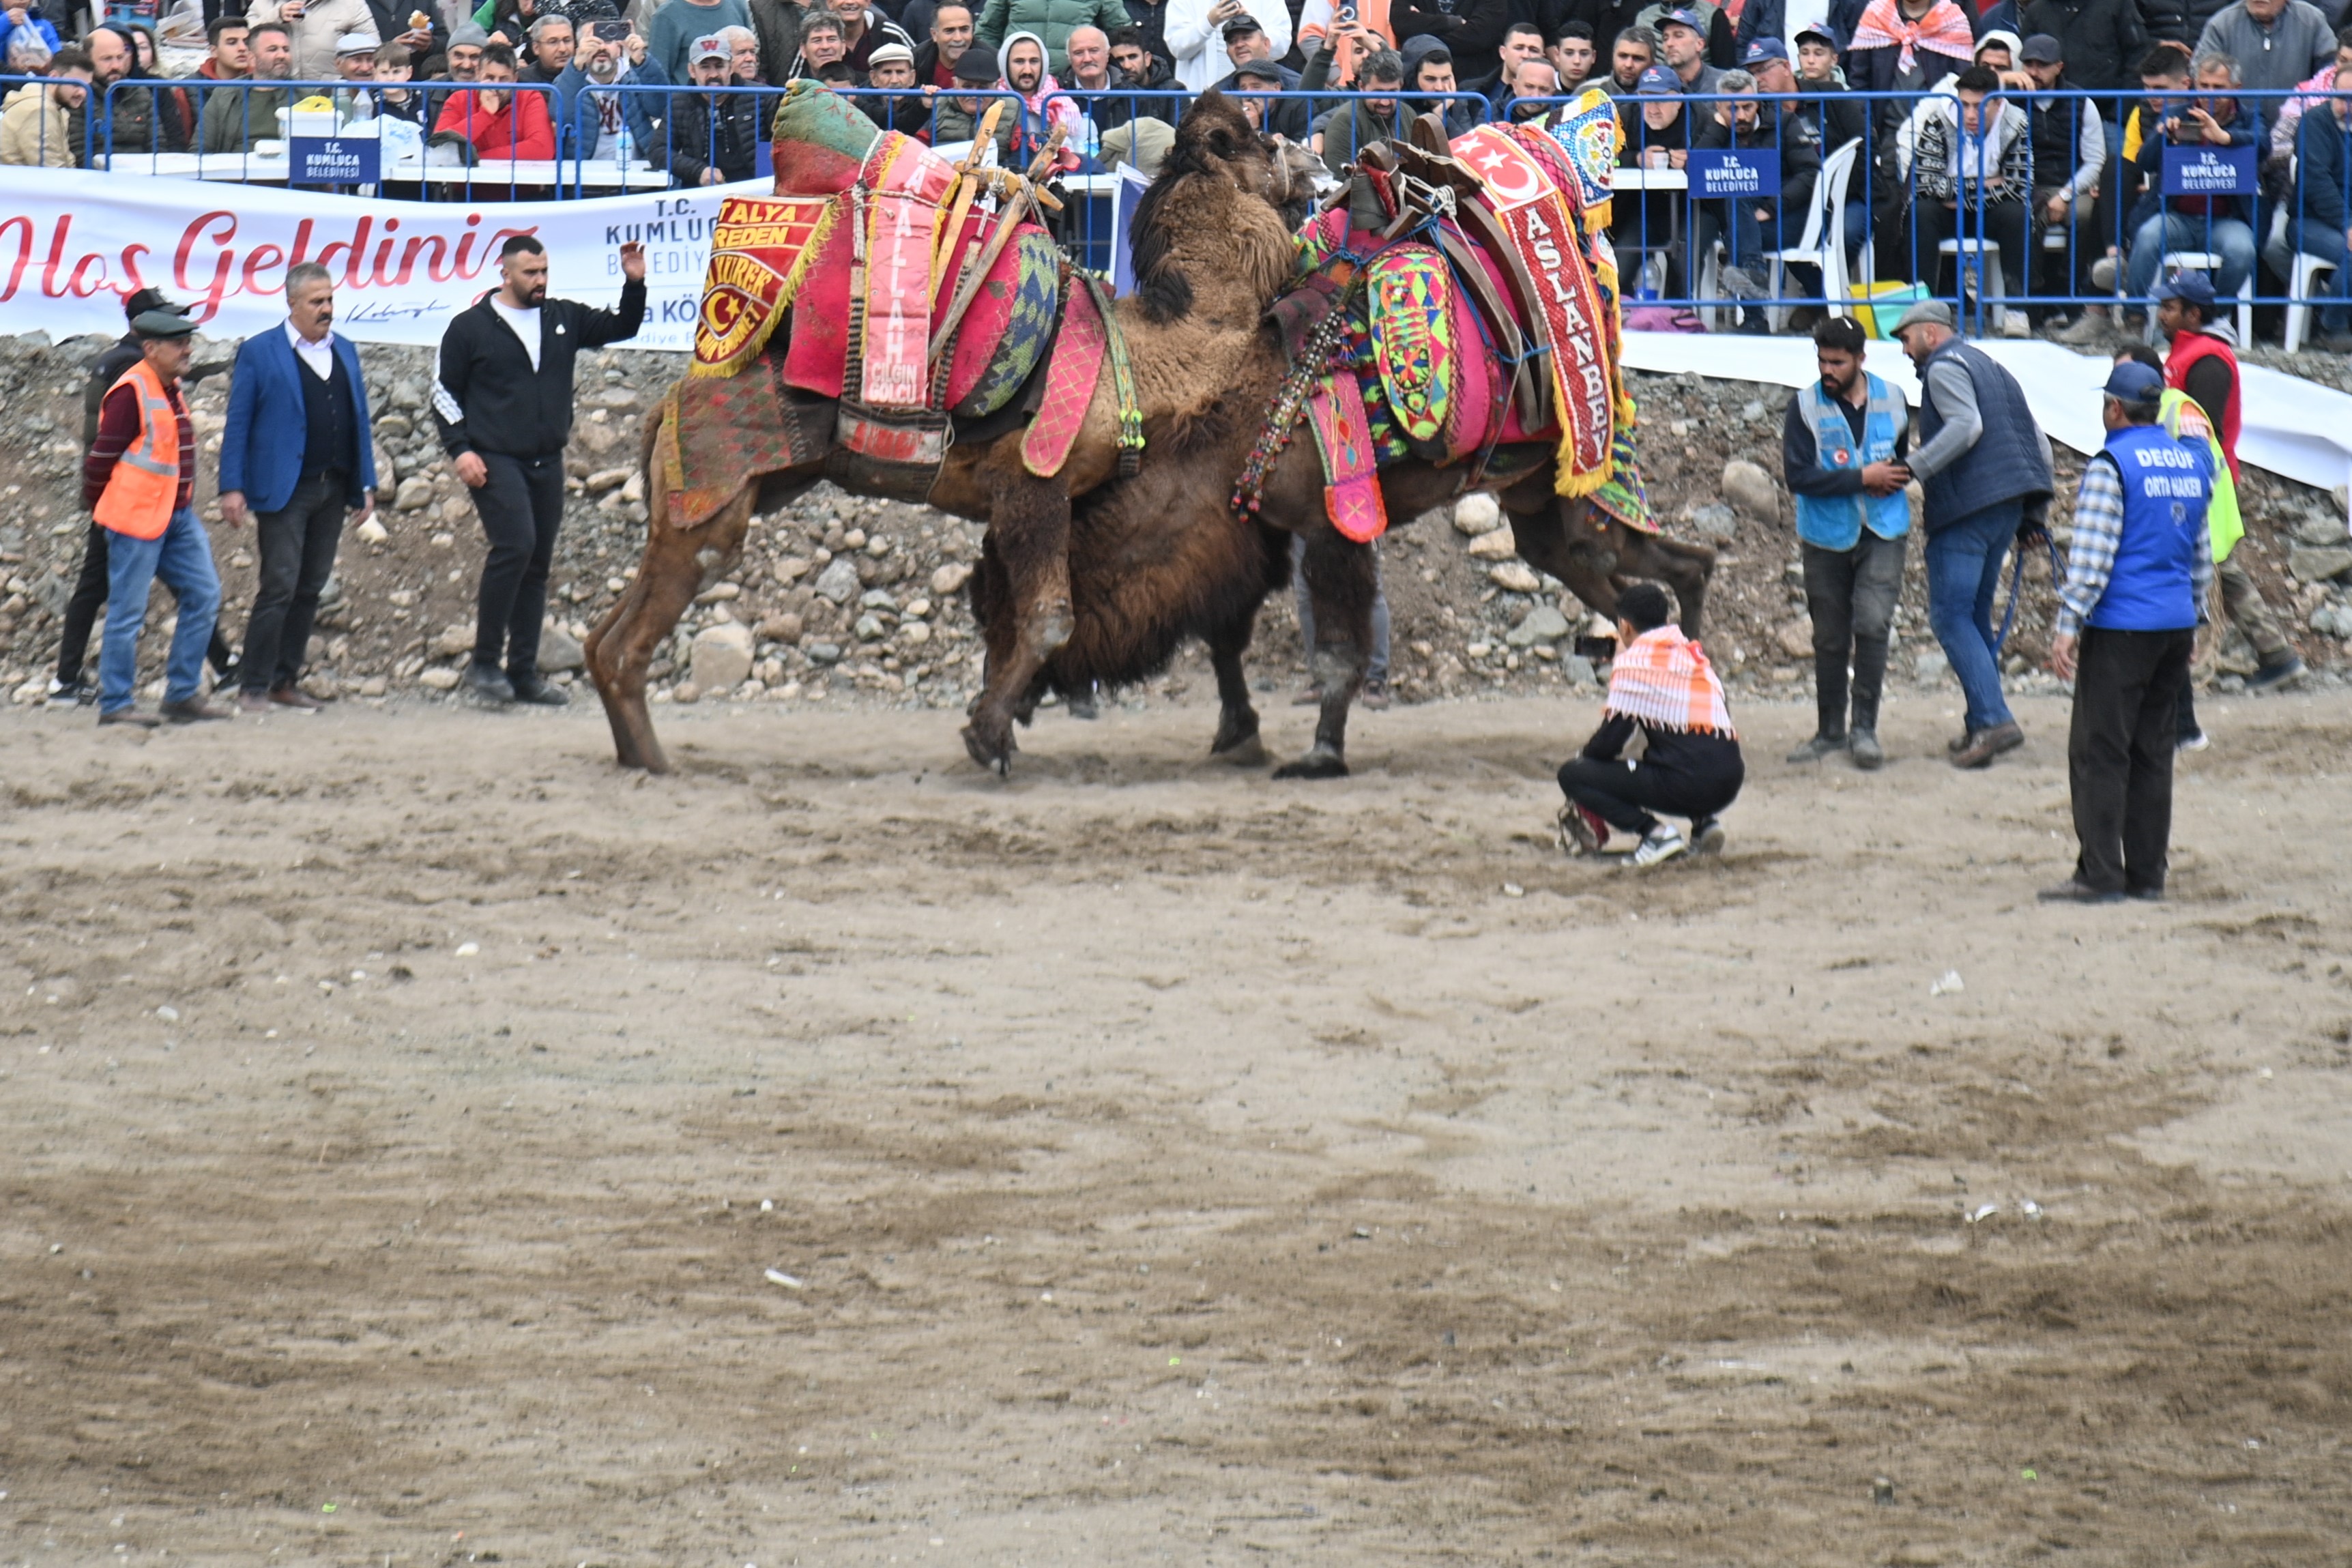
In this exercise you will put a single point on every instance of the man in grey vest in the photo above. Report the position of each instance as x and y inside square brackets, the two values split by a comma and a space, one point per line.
[1983, 461]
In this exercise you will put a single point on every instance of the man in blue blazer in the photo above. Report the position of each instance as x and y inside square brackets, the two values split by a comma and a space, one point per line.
[296, 453]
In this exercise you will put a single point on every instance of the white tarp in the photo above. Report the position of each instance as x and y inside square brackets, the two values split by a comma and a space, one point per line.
[73, 242]
[2288, 426]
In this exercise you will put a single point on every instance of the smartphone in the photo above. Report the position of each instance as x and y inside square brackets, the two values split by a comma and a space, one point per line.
[611, 32]
[1345, 11]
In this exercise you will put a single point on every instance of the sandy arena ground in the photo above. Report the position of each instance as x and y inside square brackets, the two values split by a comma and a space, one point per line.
[1166, 1165]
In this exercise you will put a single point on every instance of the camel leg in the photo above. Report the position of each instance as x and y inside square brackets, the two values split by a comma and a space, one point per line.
[1685, 568]
[1238, 739]
[1598, 557]
[1029, 523]
[1340, 576]
[676, 563]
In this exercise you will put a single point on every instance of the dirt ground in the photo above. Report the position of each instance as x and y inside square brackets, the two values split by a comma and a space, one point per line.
[402, 1113]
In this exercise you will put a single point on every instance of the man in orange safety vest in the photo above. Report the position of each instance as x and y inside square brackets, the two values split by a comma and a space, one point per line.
[139, 481]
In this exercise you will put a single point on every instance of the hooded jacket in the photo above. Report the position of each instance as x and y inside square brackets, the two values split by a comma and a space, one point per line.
[1040, 110]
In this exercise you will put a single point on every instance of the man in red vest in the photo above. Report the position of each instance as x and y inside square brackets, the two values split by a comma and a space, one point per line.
[2203, 364]
[138, 482]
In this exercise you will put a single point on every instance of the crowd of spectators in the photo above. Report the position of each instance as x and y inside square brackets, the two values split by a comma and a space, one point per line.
[2018, 154]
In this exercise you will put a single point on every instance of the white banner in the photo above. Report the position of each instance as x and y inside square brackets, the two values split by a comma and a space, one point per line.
[73, 242]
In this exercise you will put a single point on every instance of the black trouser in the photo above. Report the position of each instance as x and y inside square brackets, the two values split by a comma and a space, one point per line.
[1623, 793]
[522, 506]
[2119, 754]
[298, 556]
[82, 615]
[2003, 223]
[1851, 596]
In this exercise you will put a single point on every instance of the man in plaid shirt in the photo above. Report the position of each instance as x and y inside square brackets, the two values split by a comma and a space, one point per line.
[2137, 580]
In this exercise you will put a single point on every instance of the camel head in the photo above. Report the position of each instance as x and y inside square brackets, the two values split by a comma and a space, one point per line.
[1212, 218]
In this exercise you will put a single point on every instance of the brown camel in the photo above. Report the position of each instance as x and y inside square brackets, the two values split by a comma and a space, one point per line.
[1211, 249]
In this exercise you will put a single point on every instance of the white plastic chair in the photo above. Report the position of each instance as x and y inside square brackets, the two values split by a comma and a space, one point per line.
[1822, 244]
[2210, 261]
[1992, 288]
[2308, 271]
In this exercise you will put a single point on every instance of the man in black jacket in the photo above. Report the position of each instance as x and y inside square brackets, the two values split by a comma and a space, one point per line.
[502, 398]
[2100, 40]
[714, 136]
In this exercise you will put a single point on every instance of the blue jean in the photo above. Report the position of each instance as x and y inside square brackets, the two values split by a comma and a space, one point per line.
[2328, 244]
[1963, 579]
[2227, 238]
[183, 557]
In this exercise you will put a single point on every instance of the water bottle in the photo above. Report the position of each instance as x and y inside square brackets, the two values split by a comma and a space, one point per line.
[623, 147]
[1093, 141]
[1654, 277]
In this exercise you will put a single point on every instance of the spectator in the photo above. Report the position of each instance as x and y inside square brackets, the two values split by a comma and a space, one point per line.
[355, 63]
[313, 27]
[2099, 40]
[553, 45]
[1051, 21]
[594, 117]
[502, 399]
[1837, 116]
[1682, 44]
[714, 136]
[1195, 38]
[2289, 116]
[2203, 364]
[235, 118]
[463, 60]
[1344, 130]
[1662, 686]
[1429, 70]
[2222, 226]
[1371, 30]
[1531, 86]
[1901, 47]
[227, 59]
[139, 481]
[1522, 41]
[2321, 222]
[957, 117]
[392, 66]
[26, 24]
[427, 43]
[678, 25]
[1137, 67]
[1997, 51]
[1753, 227]
[935, 62]
[2137, 577]
[822, 47]
[1471, 30]
[743, 55]
[2275, 43]
[778, 24]
[1574, 57]
[908, 111]
[2068, 134]
[1630, 56]
[1842, 448]
[1974, 173]
[1245, 42]
[1023, 62]
[1654, 133]
[125, 119]
[1981, 460]
[296, 452]
[1150, 18]
[36, 121]
[502, 124]
[865, 30]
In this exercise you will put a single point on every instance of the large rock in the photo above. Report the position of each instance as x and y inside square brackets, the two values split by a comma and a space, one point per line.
[559, 650]
[1478, 514]
[415, 494]
[1514, 577]
[453, 640]
[1498, 544]
[2319, 563]
[1543, 624]
[1716, 522]
[722, 657]
[1750, 492]
[2318, 529]
[1796, 639]
[838, 583]
[949, 578]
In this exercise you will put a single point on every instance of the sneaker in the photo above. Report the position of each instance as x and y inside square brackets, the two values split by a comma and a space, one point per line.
[191, 711]
[1868, 754]
[130, 716]
[1819, 746]
[489, 683]
[2093, 327]
[2072, 891]
[2270, 677]
[81, 694]
[1375, 696]
[1581, 831]
[1987, 744]
[2195, 741]
[294, 697]
[1661, 844]
[1707, 837]
[1741, 284]
[539, 693]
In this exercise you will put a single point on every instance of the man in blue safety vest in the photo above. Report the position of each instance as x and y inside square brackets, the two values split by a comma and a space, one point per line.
[2136, 578]
[1842, 449]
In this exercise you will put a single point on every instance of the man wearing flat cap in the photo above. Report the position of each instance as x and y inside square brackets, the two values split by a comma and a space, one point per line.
[139, 481]
[1981, 460]
[2136, 578]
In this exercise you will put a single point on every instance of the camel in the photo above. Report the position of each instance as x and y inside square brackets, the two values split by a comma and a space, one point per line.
[1211, 247]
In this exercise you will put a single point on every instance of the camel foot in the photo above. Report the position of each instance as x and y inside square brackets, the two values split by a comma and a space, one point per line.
[997, 758]
[1249, 752]
[1322, 762]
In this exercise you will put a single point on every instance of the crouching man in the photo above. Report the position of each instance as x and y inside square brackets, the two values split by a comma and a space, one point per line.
[1662, 686]
[2136, 579]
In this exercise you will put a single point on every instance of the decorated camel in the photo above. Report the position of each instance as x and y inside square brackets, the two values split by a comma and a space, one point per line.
[874, 323]
[1453, 327]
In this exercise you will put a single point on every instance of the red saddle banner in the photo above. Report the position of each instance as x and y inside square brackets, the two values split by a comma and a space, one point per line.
[760, 248]
[907, 182]
[1069, 385]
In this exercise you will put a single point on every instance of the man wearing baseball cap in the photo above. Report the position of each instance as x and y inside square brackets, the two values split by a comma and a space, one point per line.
[1980, 459]
[1682, 44]
[139, 481]
[2137, 577]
